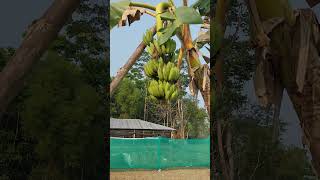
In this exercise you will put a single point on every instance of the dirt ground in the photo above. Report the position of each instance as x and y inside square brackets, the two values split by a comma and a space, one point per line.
[176, 174]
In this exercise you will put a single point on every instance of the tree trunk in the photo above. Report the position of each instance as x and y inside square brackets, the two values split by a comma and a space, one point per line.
[224, 155]
[38, 38]
[125, 69]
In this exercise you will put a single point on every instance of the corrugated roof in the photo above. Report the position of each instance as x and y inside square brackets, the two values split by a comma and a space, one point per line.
[136, 124]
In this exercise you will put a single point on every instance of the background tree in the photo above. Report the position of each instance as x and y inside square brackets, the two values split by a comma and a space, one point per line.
[257, 156]
[127, 101]
[79, 72]
[61, 114]
[198, 125]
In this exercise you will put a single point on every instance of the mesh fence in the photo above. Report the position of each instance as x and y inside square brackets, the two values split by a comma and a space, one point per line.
[158, 153]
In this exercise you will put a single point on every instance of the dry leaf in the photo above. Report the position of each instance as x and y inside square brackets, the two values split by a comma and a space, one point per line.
[193, 88]
[131, 14]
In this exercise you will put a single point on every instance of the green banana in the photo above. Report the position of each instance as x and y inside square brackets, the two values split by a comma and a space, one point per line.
[165, 72]
[146, 70]
[149, 49]
[153, 88]
[151, 68]
[174, 95]
[161, 88]
[167, 91]
[174, 74]
[147, 37]
[157, 46]
[160, 74]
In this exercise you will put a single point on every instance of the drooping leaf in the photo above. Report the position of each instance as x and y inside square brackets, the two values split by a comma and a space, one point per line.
[203, 6]
[168, 32]
[188, 15]
[116, 11]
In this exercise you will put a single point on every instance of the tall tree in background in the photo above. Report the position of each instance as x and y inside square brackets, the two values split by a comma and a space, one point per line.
[256, 155]
[24, 145]
[63, 115]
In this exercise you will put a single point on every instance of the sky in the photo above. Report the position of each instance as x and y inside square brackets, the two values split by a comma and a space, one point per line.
[15, 19]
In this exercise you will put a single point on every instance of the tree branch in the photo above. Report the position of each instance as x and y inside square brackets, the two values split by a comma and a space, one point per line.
[38, 38]
[125, 69]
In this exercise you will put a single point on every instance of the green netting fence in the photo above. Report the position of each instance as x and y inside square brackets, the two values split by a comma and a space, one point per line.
[158, 153]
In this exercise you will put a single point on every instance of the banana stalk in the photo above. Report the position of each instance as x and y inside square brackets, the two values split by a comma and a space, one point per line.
[160, 8]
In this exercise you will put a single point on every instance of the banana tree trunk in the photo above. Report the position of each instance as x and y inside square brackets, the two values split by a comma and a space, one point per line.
[198, 73]
[38, 38]
[294, 46]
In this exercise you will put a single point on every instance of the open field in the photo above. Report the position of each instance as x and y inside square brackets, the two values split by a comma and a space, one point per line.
[176, 174]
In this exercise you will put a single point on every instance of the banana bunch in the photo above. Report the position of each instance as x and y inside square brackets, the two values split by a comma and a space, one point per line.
[148, 37]
[167, 48]
[161, 68]
[171, 91]
[151, 68]
[162, 90]
[154, 49]
[168, 72]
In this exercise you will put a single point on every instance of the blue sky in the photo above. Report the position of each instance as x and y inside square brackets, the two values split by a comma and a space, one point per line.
[124, 40]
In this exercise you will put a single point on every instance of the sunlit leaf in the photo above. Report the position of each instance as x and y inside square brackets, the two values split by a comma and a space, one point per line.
[188, 15]
[168, 32]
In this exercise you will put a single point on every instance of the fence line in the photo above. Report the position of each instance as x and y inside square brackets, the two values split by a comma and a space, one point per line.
[158, 153]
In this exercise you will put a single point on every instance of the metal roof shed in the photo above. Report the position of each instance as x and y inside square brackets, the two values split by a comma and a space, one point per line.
[137, 128]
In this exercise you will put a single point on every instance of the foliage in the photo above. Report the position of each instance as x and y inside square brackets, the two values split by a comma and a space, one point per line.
[16, 150]
[257, 157]
[62, 113]
[85, 42]
[197, 119]
[75, 111]
[128, 101]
